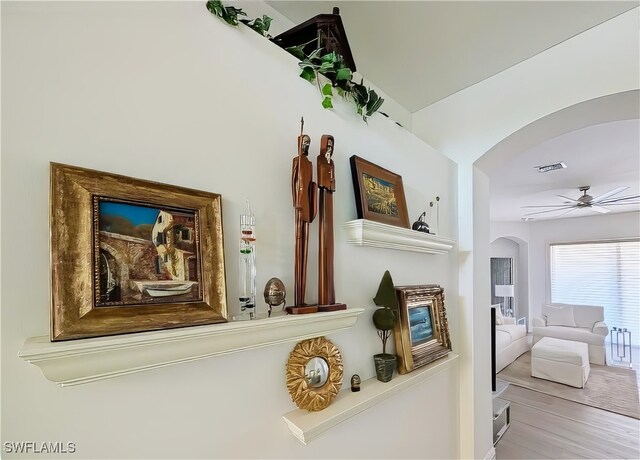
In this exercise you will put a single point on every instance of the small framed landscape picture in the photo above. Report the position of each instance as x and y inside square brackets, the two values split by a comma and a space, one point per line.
[422, 333]
[379, 193]
[129, 255]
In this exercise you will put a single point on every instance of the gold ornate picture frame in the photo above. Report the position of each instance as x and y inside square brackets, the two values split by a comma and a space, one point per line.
[422, 332]
[314, 373]
[129, 255]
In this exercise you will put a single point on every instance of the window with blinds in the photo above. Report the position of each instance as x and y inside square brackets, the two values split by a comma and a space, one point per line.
[602, 273]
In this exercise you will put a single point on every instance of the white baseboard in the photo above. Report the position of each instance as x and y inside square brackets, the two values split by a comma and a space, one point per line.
[491, 455]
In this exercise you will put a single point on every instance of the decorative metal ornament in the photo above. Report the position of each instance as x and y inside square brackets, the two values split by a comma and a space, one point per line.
[314, 373]
[420, 225]
[275, 293]
[435, 226]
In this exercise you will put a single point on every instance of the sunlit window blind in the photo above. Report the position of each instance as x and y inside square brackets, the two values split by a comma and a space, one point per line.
[605, 274]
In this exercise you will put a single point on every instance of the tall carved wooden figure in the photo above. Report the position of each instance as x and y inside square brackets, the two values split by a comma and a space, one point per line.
[327, 186]
[304, 192]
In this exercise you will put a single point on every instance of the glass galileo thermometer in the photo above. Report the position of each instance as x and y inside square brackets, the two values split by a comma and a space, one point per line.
[247, 265]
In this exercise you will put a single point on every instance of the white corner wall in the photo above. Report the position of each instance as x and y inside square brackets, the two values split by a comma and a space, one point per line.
[166, 92]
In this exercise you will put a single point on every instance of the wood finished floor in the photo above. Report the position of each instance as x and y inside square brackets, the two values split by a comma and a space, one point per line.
[544, 426]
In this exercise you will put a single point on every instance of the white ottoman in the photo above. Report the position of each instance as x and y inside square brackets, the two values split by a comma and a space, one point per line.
[562, 361]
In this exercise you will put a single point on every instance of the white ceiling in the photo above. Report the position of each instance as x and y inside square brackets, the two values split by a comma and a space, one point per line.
[419, 52]
[604, 157]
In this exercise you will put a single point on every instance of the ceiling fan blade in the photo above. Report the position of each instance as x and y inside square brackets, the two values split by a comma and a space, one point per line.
[546, 206]
[571, 200]
[567, 212]
[621, 198]
[604, 196]
[621, 204]
[599, 209]
[549, 210]
[573, 208]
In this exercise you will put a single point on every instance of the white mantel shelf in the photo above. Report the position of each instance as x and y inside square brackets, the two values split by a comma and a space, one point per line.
[364, 232]
[86, 360]
[306, 426]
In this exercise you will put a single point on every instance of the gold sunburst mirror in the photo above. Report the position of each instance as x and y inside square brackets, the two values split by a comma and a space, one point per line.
[314, 373]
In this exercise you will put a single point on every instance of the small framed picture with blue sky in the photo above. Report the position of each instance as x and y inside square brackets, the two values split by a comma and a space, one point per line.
[422, 333]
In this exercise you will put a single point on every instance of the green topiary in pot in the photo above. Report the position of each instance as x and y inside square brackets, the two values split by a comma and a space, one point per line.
[384, 318]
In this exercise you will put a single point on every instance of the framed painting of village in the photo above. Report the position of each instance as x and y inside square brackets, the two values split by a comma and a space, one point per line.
[421, 333]
[379, 193]
[129, 255]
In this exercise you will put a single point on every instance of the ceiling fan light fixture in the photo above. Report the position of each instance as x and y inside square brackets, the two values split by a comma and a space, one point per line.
[552, 167]
[586, 202]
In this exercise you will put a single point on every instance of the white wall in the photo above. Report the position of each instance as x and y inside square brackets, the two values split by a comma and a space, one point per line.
[466, 125]
[518, 231]
[503, 247]
[166, 92]
[543, 233]
[481, 326]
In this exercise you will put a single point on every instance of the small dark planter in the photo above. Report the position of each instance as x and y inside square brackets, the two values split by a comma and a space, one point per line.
[385, 365]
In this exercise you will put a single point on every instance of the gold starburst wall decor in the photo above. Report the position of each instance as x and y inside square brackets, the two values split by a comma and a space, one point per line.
[314, 373]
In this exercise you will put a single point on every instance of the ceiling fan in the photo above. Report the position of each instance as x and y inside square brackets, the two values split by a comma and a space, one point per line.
[597, 204]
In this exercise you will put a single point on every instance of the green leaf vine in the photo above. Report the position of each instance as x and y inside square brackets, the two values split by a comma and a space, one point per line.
[229, 14]
[331, 66]
[320, 62]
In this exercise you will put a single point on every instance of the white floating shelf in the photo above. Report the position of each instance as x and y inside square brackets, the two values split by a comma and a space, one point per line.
[86, 360]
[307, 426]
[368, 233]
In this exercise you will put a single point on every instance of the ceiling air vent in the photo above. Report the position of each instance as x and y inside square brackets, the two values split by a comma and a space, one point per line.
[553, 167]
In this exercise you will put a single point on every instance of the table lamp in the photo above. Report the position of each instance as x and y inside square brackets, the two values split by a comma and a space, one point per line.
[505, 291]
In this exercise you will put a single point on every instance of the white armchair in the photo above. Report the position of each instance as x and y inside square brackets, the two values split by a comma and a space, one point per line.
[539, 322]
[510, 340]
[579, 323]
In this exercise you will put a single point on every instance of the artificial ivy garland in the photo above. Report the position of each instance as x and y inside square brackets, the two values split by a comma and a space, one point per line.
[230, 15]
[320, 62]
